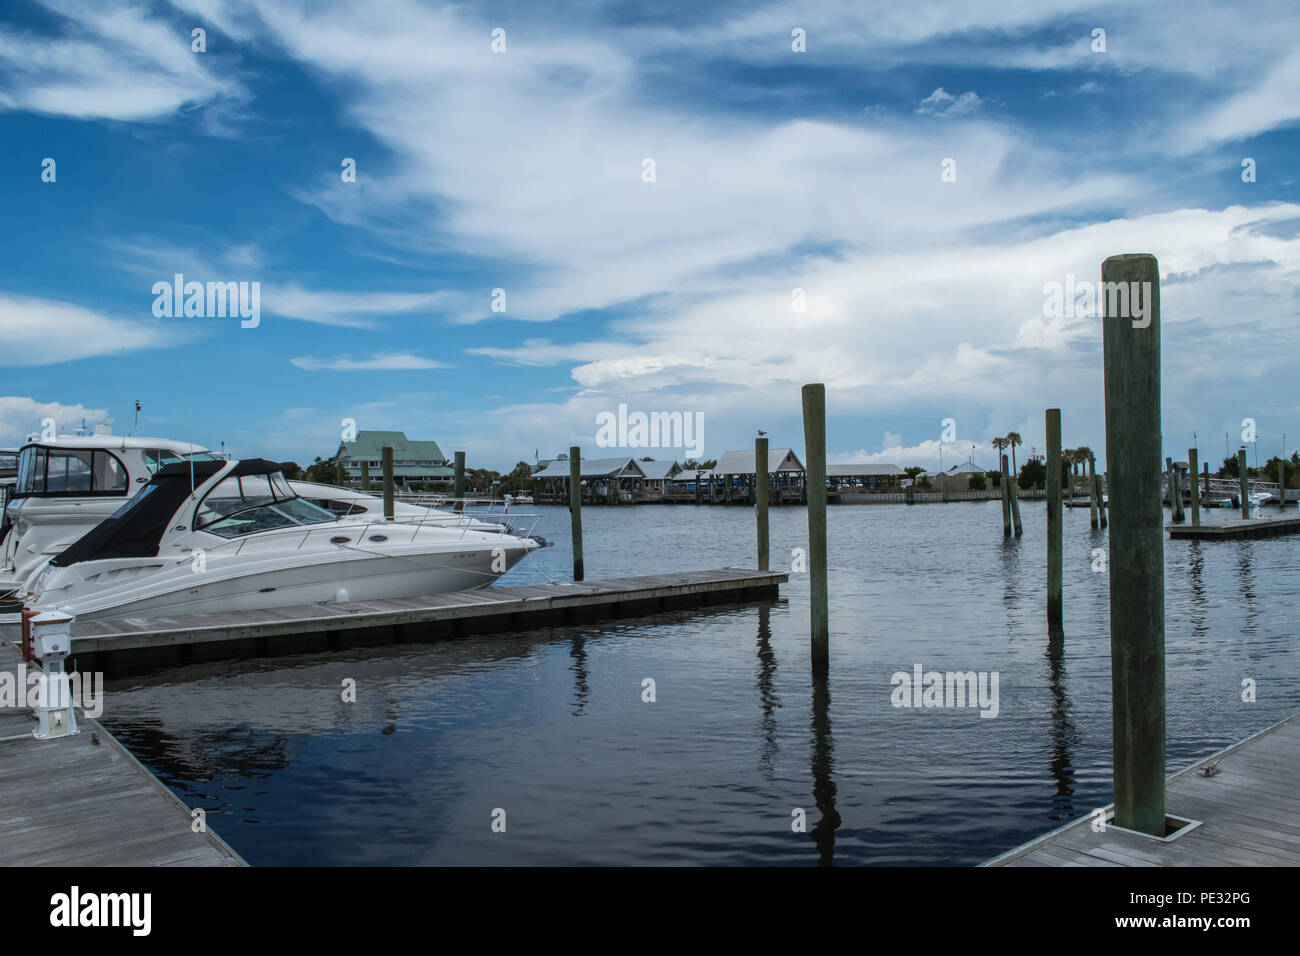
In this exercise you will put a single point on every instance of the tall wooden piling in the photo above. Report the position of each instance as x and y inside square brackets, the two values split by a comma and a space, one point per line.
[1006, 500]
[338, 473]
[389, 487]
[1245, 483]
[1131, 360]
[575, 508]
[1194, 486]
[1175, 492]
[1281, 482]
[1014, 491]
[458, 488]
[1102, 484]
[365, 476]
[1093, 512]
[764, 498]
[814, 437]
[1055, 553]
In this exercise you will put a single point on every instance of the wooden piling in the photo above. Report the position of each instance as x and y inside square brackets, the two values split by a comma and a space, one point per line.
[1175, 492]
[1245, 483]
[1281, 483]
[1131, 360]
[1006, 500]
[338, 473]
[389, 487]
[575, 508]
[458, 488]
[1014, 491]
[814, 432]
[365, 476]
[764, 498]
[1194, 486]
[1055, 553]
[1092, 494]
[1102, 484]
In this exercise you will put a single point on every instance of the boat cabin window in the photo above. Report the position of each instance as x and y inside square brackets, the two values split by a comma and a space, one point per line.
[338, 507]
[155, 458]
[250, 503]
[62, 472]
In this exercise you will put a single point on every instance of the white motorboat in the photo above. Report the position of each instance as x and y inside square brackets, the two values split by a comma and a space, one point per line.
[346, 502]
[233, 536]
[66, 485]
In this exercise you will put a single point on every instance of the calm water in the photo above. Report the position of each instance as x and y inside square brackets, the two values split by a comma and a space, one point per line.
[550, 725]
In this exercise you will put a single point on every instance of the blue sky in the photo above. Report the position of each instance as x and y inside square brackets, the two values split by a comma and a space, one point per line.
[523, 170]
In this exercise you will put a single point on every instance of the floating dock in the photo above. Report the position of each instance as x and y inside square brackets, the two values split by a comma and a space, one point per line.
[85, 801]
[1243, 805]
[101, 645]
[1239, 528]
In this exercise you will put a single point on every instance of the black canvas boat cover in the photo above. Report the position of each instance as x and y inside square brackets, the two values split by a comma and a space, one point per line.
[135, 530]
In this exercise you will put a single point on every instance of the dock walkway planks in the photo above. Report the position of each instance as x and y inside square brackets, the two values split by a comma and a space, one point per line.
[515, 608]
[72, 802]
[1249, 814]
[1236, 529]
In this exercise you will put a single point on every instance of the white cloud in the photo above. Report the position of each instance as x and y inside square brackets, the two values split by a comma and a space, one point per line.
[943, 103]
[44, 332]
[109, 61]
[392, 361]
[21, 416]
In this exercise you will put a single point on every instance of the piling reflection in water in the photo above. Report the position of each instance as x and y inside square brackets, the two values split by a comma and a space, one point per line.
[1064, 734]
[1250, 623]
[1196, 573]
[823, 769]
[767, 696]
[581, 690]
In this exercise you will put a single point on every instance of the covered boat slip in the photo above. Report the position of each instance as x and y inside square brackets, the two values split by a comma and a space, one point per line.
[105, 644]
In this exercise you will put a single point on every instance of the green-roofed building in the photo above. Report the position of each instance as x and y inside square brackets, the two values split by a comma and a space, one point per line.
[415, 463]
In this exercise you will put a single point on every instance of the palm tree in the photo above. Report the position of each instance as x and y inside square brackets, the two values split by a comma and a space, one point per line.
[1014, 439]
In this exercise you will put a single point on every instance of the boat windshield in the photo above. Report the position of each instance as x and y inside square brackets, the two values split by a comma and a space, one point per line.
[156, 458]
[251, 503]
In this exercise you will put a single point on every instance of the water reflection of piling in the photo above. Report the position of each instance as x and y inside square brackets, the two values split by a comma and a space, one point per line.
[767, 697]
[1196, 559]
[1064, 735]
[581, 690]
[823, 769]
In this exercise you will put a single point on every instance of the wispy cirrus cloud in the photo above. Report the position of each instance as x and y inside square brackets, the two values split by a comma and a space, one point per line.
[389, 361]
[45, 331]
[109, 61]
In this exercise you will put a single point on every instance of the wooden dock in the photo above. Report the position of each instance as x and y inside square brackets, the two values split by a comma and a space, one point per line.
[1237, 529]
[101, 645]
[1245, 801]
[85, 801]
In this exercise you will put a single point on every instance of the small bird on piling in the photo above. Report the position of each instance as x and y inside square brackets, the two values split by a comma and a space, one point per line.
[761, 433]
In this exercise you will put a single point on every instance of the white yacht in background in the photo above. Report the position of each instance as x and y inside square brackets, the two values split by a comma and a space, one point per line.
[66, 485]
[234, 536]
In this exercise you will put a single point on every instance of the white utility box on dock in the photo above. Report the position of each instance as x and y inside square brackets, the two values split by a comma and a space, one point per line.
[51, 644]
